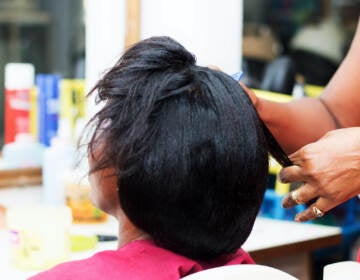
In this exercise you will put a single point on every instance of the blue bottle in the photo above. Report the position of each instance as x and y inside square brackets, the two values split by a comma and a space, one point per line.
[48, 106]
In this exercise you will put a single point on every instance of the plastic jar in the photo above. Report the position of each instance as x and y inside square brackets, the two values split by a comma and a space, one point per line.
[23, 153]
[77, 193]
[39, 236]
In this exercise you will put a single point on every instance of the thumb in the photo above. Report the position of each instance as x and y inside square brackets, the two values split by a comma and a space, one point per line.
[252, 95]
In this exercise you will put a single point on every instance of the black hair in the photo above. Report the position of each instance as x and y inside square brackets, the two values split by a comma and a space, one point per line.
[189, 150]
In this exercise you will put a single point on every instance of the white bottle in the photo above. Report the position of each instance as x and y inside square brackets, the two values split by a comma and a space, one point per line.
[58, 159]
[299, 87]
[23, 153]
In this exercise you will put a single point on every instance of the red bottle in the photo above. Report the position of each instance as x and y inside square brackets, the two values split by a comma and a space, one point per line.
[19, 79]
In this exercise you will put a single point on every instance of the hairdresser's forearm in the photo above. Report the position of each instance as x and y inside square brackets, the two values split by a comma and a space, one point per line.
[296, 123]
[342, 93]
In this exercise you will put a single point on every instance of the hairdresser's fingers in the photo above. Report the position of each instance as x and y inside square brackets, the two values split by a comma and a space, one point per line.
[214, 67]
[291, 174]
[299, 196]
[252, 95]
[315, 210]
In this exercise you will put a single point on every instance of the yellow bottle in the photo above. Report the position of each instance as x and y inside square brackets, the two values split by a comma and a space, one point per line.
[274, 169]
[33, 113]
[72, 101]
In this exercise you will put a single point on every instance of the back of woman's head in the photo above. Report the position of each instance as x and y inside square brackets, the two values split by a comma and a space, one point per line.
[187, 146]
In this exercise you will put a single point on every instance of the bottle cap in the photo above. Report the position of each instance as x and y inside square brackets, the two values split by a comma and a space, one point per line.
[24, 138]
[19, 75]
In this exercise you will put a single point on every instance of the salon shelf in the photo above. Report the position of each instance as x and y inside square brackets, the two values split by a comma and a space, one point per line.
[24, 17]
[20, 177]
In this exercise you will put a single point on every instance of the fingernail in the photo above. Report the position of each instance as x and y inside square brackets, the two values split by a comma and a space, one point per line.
[282, 177]
[299, 218]
[285, 202]
[285, 205]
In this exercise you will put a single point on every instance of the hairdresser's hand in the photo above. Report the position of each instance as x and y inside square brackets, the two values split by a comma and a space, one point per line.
[251, 94]
[214, 67]
[330, 170]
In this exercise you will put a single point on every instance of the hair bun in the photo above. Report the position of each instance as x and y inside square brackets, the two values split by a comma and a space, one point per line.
[158, 53]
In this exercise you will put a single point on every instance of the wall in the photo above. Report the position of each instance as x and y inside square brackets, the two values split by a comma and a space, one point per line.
[104, 39]
[211, 29]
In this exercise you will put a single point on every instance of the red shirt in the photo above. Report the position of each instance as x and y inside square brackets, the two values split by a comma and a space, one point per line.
[137, 260]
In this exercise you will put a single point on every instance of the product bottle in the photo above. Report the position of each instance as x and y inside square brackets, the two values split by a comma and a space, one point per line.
[58, 159]
[77, 193]
[19, 80]
[72, 101]
[24, 152]
[299, 87]
[34, 113]
[48, 106]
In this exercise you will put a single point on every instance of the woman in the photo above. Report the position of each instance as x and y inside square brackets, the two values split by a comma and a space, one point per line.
[179, 156]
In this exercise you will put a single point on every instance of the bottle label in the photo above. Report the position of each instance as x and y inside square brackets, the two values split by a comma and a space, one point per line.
[52, 106]
[17, 113]
[14, 237]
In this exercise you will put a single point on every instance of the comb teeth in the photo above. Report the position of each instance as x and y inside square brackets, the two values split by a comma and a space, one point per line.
[237, 76]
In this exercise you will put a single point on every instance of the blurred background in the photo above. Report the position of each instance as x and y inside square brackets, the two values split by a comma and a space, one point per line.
[306, 37]
[291, 47]
[50, 34]
[312, 36]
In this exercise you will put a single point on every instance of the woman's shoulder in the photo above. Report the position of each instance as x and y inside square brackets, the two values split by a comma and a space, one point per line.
[137, 260]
